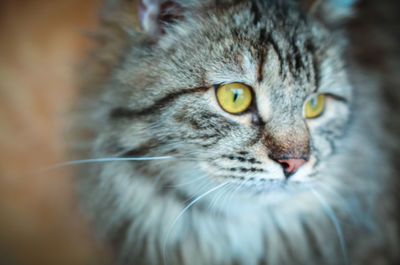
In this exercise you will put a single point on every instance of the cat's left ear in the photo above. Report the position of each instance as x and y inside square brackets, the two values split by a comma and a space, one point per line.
[154, 15]
[331, 11]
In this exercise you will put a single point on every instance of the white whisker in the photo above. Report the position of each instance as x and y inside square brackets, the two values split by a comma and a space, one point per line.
[102, 160]
[353, 208]
[217, 198]
[234, 191]
[182, 212]
[328, 210]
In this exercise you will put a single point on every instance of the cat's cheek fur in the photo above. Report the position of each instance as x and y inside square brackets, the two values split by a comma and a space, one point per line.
[327, 129]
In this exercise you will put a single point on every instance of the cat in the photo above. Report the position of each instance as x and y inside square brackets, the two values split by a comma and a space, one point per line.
[257, 134]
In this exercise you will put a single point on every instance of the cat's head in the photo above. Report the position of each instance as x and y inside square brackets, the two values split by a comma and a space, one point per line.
[250, 93]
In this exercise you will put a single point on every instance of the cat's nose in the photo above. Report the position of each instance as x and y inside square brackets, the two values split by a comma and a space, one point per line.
[291, 165]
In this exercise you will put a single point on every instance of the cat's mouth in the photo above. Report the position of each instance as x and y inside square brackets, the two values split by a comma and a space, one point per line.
[260, 176]
[267, 185]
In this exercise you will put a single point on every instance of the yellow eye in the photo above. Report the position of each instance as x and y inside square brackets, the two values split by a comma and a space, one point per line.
[234, 98]
[315, 106]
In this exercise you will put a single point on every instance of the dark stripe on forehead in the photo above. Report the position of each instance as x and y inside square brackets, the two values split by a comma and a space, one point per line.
[296, 62]
[254, 8]
[310, 48]
[260, 68]
[127, 113]
[262, 54]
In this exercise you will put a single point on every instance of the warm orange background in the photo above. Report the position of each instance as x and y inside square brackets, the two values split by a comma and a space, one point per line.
[42, 43]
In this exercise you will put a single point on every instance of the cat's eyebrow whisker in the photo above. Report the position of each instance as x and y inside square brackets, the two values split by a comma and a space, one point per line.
[103, 160]
[329, 211]
[182, 212]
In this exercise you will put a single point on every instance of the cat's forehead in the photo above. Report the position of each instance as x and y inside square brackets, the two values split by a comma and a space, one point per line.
[269, 61]
[248, 44]
[278, 51]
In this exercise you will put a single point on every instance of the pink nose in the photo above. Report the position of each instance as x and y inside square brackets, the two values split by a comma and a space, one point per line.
[291, 165]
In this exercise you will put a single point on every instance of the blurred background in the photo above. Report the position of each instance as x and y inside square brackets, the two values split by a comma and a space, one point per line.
[42, 44]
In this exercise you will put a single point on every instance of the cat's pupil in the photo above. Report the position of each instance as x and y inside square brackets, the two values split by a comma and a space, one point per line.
[235, 95]
[313, 102]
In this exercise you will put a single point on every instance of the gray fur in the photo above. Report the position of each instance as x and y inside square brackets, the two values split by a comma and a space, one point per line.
[160, 100]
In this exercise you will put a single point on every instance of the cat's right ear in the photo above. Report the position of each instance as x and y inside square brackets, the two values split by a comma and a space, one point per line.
[151, 16]
[333, 12]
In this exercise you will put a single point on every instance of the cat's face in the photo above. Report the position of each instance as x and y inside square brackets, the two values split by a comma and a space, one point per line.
[179, 98]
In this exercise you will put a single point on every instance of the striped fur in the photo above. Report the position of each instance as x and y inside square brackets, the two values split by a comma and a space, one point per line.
[160, 100]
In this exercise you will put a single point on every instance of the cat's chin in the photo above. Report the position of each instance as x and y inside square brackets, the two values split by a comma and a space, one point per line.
[269, 194]
[272, 186]
[271, 191]
[275, 191]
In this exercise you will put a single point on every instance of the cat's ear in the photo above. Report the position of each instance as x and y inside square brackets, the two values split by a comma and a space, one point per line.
[151, 16]
[154, 15]
[331, 11]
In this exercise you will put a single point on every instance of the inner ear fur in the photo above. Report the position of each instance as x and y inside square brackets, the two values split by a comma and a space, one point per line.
[148, 16]
[155, 15]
